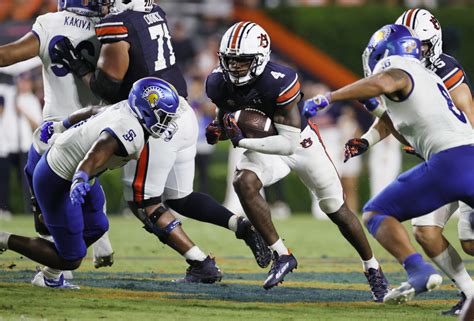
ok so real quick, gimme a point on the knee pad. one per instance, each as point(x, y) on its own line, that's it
point(374, 222)
point(330, 205)
point(151, 226)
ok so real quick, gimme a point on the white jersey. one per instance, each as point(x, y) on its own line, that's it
point(70, 148)
point(427, 118)
point(63, 92)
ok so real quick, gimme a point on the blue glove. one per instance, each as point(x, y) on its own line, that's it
point(79, 188)
point(370, 104)
point(46, 131)
point(49, 128)
point(313, 105)
point(232, 129)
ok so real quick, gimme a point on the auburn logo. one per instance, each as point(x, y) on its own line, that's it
point(307, 142)
point(263, 40)
point(435, 23)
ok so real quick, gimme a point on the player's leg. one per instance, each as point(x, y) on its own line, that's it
point(428, 233)
point(144, 182)
point(417, 191)
point(253, 172)
point(317, 172)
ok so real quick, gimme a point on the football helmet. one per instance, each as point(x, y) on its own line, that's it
point(390, 40)
point(244, 52)
point(89, 8)
point(155, 103)
point(135, 5)
point(427, 28)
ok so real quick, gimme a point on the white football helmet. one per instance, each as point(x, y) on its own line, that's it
point(134, 5)
point(427, 28)
point(244, 45)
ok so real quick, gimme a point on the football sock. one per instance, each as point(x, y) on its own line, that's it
point(50, 273)
point(201, 207)
point(413, 263)
point(102, 246)
point(280, 248)
point(195, 254)
point(232, 224)
point(4, 236)
point(451, 264)
point(370, 264)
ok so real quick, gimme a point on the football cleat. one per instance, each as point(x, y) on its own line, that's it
point(103, 261)
point(378, 283)
point(60, 283)
point(282, 265)
point(456, 309)
point(416, 285)
point(247, 232)
point(201, 272)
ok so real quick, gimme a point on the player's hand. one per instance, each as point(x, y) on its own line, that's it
point(72, 58)
point(213, 132)
point(315, 104)
point(49, 128)
point(410, 150)
point(79, 188)
point(355, 147)
point(232, 129)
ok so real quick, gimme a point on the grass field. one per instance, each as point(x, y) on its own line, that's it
point(328, 284)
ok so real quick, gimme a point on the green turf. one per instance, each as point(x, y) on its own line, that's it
point(328, 284)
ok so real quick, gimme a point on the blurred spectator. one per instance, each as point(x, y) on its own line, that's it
point(7, 111)
point(205, 113)
point(183, 46)
point(207, 59)
point(25, 118)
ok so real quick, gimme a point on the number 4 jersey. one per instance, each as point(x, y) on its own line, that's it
point(427, 117)
point(151, 52)
point(63, 92)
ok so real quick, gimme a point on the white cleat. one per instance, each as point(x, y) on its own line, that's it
point(406, 292)
point(60, 283)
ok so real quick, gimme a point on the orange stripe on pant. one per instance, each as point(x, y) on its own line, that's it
point(138, 184)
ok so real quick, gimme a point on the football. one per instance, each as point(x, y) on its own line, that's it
point(254, 123)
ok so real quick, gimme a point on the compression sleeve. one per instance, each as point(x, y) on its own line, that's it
point(285, 143)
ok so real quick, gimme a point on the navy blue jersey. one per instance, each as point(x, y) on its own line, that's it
point(450, 71)
point(277, 87)
point(151, 52)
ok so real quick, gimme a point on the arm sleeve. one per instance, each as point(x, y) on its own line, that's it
point(285, 143)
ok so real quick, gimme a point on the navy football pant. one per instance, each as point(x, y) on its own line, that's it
point(446, 177)
point(73, 228)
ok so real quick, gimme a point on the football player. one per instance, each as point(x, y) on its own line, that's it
point(136, 43)
point(421, 110)
point(67, 191)
point(247, 78)
point(428, 228)
point(75, 21)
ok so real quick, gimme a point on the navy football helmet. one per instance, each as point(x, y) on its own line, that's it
point(89, 8)
point(390, 40)
point(155, 103)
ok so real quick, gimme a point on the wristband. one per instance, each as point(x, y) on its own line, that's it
point(372, 136)
point(66, 123)
point(80, 175)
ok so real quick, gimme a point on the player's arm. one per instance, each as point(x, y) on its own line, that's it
point(97, 156)
point(112, 66)
point(49, 128)
point(23, 49)
point(287, 121)
point(462, 98)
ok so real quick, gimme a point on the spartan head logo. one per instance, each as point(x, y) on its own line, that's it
point(152, 96)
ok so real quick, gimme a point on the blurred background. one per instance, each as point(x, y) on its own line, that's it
point(322, 39)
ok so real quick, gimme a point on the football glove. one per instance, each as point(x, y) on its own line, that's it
point(79, 188)
point(213, 132)
point(49, 128)
point(355, 147)
point(232, 129)
point(71, 58)
point(315, 104)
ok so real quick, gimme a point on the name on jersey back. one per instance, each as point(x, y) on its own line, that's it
point(77, 22)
